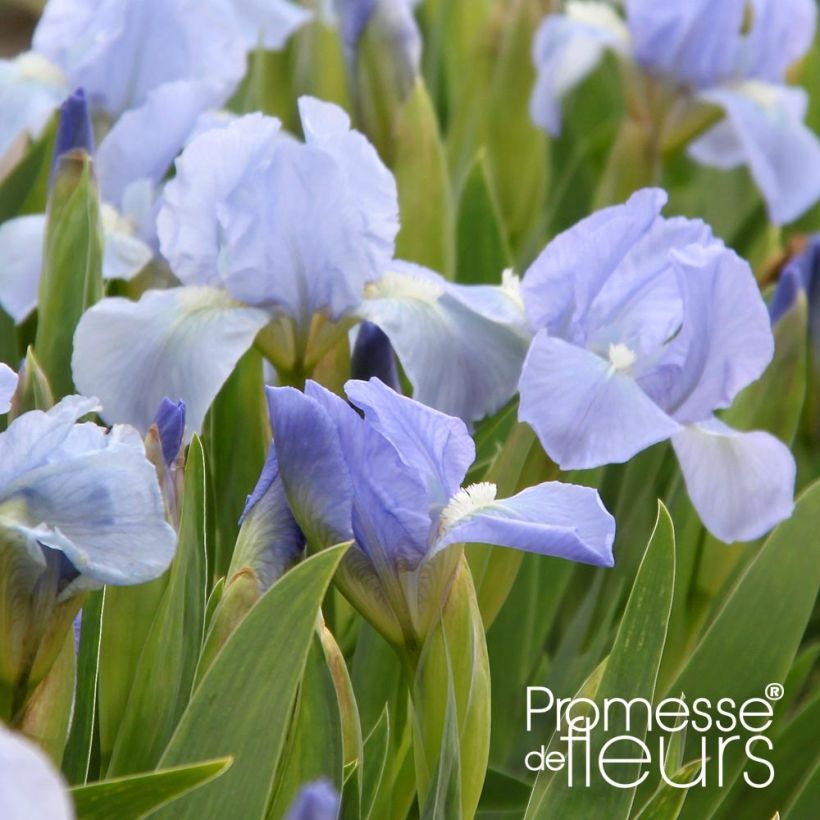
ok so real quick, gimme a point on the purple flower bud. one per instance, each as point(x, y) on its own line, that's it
point(170, 421)
point(373, 356)
point(74, 130)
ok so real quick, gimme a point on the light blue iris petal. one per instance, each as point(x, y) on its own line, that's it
point(555, 519)
point(458, 360)
point(295, 240)
point(433, 444)
point(182, 342)
point(391, 502)
point(725, 342)
point(193, 209)
point(765, 129)
point(327, 126)
point(8, 385)
point(312, 466)
point(30, 785)
point(562, 283)
point(88, 492)
point(565, 51)
point(741, 484)
point(21, 252)
point(30, 89)
point(144, 141)
point(695, 42)
point(584, 411)
point(269, 22)
point(120, 50)
point(782, 32)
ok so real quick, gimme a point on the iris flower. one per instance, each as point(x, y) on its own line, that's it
point(315, 801)
point(125, 53)
point(733, 54)
point(82, 496)
point(644, 328)
point(390, 480)
point(289, 244)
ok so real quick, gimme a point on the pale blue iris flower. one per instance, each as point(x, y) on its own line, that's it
point(31, 788)
point(265, 232)
point(730, 53)
point(84, 496)
point(123, 52)
point(390, 480)
point(644, 327)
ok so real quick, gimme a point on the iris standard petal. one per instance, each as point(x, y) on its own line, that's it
point(585, 411)
point(120, 50)
point(765, 128)
point(781, 32)
point(8, 385)
point(312, 466)
point(438, 447)
point(30, 787)
point(30, 89)
point(182, 342)
point(143, 142)
point(555, 519)
point(391, 501)
point(741, 484)
point(327, 126)
point(561, 284)
point(725, 342)
point(695, 42)
point(21, 251)
point(567, 47)
point(210, 168)
point(458, 360)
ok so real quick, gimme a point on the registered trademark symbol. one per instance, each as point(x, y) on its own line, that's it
point(774, 691)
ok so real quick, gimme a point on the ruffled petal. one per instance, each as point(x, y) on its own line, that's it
point(568, 47)
point(433, 444)
point(458, 360)
point(21, 252)
point(725, 342)
point(555, 519)
point(585, 412)
point(559, 287)
point(765, 128)
point(88, 492)
point(182, 342)
point(30, 786)
point(741, 484)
